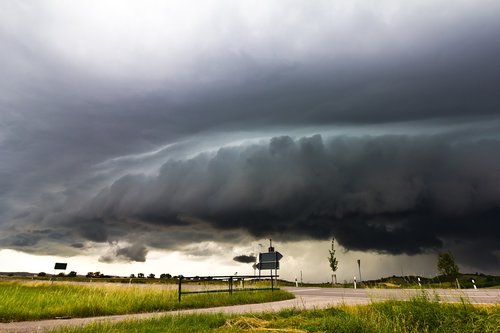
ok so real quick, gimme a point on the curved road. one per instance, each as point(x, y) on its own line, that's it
point(306, 298)
point(335, 296)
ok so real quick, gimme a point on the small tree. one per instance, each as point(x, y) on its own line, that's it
point(332, 259)
point(446, 264)
point(72, 274)
point(151, 276)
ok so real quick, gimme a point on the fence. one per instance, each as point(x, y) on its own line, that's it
point(231, 279)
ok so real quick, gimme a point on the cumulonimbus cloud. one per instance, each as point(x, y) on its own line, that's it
point(359, 65)
point(390, 194)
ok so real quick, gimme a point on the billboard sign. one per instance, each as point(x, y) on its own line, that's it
point(60, 265)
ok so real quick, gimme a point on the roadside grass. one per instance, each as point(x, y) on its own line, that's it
point(21, 301)
point(418, 315)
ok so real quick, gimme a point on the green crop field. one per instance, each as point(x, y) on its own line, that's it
point(419, 315)
point(25, 300)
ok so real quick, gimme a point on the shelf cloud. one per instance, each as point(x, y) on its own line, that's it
point(161, 125)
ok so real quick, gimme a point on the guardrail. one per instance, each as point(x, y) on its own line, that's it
point(230, 280)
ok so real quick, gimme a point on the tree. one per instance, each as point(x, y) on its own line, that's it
point(140, 275)
point(42, 274)
point(151, 276)
point(332, 259)
point(72, 274)
point(446, 264)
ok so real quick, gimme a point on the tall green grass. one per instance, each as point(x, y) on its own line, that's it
point(20, 301)
point(419, 315)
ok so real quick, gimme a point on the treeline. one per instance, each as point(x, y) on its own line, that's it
point(104, 276)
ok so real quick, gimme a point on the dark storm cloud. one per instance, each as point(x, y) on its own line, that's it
point(125, 254)
point(390, 194)
point(245, 259)
point(22, 240)
point(133, 253)
point(93, 101)
point(92, 230)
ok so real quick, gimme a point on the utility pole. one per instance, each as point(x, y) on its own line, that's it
point(359, 268)
point(271, 249)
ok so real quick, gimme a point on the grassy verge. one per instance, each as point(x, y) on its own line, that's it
point(415, 316)
point(22, 301)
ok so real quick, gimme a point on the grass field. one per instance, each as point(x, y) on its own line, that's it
point(25, 300)
point(465, 281)
point(416, 316)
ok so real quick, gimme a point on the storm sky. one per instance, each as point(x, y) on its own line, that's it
point(203, 128)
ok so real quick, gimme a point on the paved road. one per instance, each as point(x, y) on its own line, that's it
point(357, 296)
point(306, 298)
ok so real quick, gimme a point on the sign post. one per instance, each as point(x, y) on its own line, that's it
point(270, 260)
point(359, 268)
